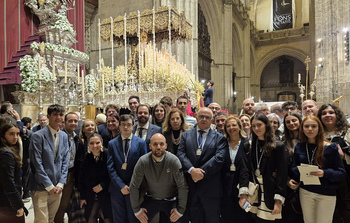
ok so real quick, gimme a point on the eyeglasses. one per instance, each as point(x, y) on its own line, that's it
point(215, 108)
point(204, 117)
point(126, 125)
point(289, 108)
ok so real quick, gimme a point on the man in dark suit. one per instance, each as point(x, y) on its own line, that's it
point(208, 93)
point(144, 129)
point(42, 120)
point(202, 153)
point(123, 154)
point(49, 160)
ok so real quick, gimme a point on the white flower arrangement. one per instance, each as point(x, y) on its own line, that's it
point(62, 22)
point(59, 48)
point(28, 67)
point(90, 83)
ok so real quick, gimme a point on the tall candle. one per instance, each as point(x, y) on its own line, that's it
point(125, 51)
point(315, 72)
point(299, 78)
point(112, 49)
point(53, 69)
point(39, 67)
point(154, 45)
point(78, 70)
point(99, 43)
point(82, 84)
point(103, 86)
point(65, 72)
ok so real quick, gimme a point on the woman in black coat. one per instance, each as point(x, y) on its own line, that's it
point(94, 182)
point(265, 163)
point(11, 205)
point(231, 212)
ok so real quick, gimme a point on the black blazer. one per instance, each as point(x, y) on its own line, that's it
point(152, 129)
point(274, 170)
point(94, 173)
point(10, 181)
point(230, 179)
point(211, 161)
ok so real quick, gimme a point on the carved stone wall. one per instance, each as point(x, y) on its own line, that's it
point(204, 51)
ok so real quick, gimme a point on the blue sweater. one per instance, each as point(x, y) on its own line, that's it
point(333, 168)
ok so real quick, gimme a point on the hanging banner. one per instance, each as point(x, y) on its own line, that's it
point(282, 14)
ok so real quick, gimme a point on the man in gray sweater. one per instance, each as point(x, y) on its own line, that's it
point(158, 177)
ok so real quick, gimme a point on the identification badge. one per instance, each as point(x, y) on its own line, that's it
point(257, 172)
point(232, 167)
point(124, 166)
point(199, 152)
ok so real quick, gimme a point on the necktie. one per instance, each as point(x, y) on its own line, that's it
point(126, 145)
point(200, 138)
point(140, 132)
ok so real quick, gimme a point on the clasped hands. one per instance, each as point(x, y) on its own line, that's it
point(197, 174)
point(143, 218)
point(55, 191)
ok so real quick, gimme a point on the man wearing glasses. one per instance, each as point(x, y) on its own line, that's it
point(202, 152)
point(123, 154)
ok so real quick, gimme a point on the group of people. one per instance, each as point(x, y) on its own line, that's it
point(163, 165)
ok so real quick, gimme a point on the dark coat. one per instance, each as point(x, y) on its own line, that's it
point(10, 181)
point(274, 170)
point(152, 129)
point(94, 173)
point(208, 96)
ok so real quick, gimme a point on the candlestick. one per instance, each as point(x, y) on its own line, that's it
point(53, 69)
point(65, 72)
point(112, 42)
point(82, 84)
point(126, 51)
point(103, 85)
point(78, 70)
point(169, 27)
point(154, 46)
point(99, 43)
point(139, 39)
point(39, 67)
point(315, 72)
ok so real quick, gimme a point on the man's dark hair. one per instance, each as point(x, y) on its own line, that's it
point(26, 120)
point(289, 103)
point(70, 113)
point(136, 97)
point(211, 82)
point(221, 113)
point(112, 106)
point(126, 117)
point(143, 105)
point(4, 107)
point(55, 108)
point(181, 97)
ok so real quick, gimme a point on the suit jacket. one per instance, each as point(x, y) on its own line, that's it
point(274, 171)
point(211, 161)
point(208, 96)
point(230, 179)
point(152, 129)
point(169, 141)
point(116, 158)
point(46, 168)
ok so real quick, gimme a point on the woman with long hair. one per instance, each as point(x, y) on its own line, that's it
point(112, 128)
point(317, 201)
point(266, 164)
point(158, 115)
point(245, 120)
point(87, 128)
point(292, 212)
point(94, 182)
point(231, 212)
point(173, 127)
point(11, 205)
point(336, 129)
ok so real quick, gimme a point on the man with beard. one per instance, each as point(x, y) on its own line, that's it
point(248, 107)
point(144, 129)
point(182, 104)
point(159, 176)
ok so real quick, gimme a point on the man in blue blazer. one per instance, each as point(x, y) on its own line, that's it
point(208, 94)
point(144, 129)
point(49, 159)
point(123, 154)
point(202, 153)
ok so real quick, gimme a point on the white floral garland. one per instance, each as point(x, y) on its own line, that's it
point(59, 48)
point(62, 22)
point(90, 83)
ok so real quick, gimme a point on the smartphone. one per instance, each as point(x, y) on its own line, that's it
point(247, 206)
point(10, 111)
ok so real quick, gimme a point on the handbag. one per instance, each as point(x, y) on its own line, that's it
point(9, 215)
point(253, 191)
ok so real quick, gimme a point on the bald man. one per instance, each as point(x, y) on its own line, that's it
point(248, 107)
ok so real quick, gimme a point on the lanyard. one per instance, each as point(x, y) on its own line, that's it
point(308, 156)
point(258, 160)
